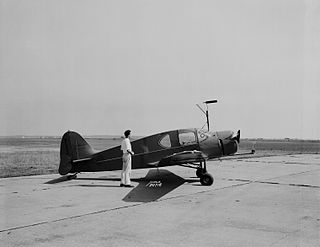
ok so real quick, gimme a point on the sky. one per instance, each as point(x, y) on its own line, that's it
point(100, 67)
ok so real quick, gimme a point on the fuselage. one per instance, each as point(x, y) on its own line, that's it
point(152, 150)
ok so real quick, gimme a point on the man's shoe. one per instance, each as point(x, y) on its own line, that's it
point(128, 185)
point(122, 185)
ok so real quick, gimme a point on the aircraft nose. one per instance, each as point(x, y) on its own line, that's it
point(227, 134)
point(229, 142)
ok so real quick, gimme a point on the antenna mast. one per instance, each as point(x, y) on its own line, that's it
point(207, 110)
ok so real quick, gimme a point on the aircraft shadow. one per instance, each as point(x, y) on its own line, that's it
point(93, 185)
point(155, 185)
point(67, 178)
point(58, 180)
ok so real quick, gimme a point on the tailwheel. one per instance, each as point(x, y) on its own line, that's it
point(206, 179)
point(73, 176)
point(200, 172)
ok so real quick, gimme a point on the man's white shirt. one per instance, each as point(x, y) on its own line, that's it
point(126, 145)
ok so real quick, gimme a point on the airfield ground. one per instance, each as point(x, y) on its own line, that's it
point(261, 201)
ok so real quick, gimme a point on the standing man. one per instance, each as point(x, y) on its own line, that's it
point(126, 160)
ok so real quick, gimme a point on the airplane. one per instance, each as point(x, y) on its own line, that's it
point(191, 148)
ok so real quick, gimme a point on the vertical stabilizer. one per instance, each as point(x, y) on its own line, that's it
point(72, 147)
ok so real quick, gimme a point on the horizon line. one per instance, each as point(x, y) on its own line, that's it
point(136, 137)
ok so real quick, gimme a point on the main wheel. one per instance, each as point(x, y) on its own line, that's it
point(206, 179)
point(200, 172)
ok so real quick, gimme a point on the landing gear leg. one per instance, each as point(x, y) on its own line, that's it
point(205, 177)
point(201, 170)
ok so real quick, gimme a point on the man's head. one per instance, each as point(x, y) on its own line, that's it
point(127, 133)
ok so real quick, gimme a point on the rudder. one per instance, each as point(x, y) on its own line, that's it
point(72, 147)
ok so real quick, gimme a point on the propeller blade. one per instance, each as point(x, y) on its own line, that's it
point(237, 137)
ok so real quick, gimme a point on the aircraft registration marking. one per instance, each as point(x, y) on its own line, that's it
point(154, 184)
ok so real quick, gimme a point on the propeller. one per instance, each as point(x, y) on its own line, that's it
point(237, 137)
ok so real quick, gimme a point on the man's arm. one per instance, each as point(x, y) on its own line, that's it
point(130, 152)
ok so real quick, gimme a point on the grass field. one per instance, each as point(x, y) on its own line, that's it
point(34, 156)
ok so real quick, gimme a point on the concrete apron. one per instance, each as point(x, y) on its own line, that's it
point(253, 202)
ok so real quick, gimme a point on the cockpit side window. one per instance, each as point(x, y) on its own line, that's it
point(187, 138)
point(165, 141)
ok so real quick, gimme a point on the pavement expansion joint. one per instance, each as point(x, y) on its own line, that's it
point(284, 237)
point(274, 183)
point(117, 208)
point(70, 217)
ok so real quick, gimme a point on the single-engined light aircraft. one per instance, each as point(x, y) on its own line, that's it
point(190, 147)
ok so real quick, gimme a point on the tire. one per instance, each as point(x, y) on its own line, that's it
point(206, 179)
point(200, 172)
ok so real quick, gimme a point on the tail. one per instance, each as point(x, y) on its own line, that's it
point(72, 147)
